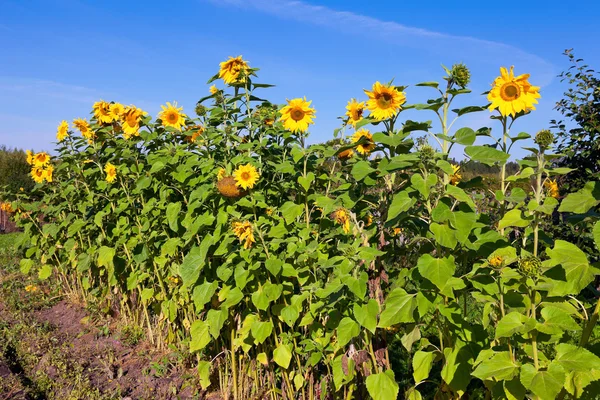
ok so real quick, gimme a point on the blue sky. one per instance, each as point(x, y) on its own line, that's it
point(58, 57)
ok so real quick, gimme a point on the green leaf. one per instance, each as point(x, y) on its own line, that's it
point(173, 210)
point(513, 218)
point(422, 362)
point(556, 321)
point(200, 336)
point(457, 368)
point(596, 234)
point(514, 389)
point(429, 83)
point(216, 319)
point(469, 109)
point(437, 270)
point(486, 155)
point(399, 307)
point(290, 315)
point(361, 169)
point(547, 384)
point(465, 136)
point(574, 358)
point(306, 181)
point(402, 202)
point(45, 272)
point(261, 330)
point(499, 366)
point(282, 355)
point(513, 323)
point(382, 386)
point(25, 265)
point(106, 256)
point(583, 200)
point(423, 185)
point(346, 331)
point(204, 373)
point(572, 271)
point(194, 262)
point(444, 235)
point(366, 315)
point(203, 294)
point(291, 211)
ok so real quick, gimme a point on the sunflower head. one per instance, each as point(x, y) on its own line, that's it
point(234, 70)
point(246, 176)
point(213, 89)
point(200, 110)
point(455, 177)
point(512, 94)
point(102, 112)
point(354, 111)
point(346, 154)
point(172, 116)
point(116, 110)
point(297, 115)
point(544, 139)
point(83, 127)
point(63, 131)
point(38, 174)
point(342, 217)
point(244, 232)
point(29, 157)
point(530, 266)
point(227, 187)
point(111, 172)
point(552, 188)
point(41, 159)
point(496, 261)
point(385, 101)
point(131, 118)
point(367, 147)
point(460, 74)
point(48, 173)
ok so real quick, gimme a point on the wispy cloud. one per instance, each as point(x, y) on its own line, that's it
point(397, 34)
point(39, 88)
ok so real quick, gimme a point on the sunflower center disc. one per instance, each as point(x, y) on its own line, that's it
point(245, 176)
point(297, 114)
point(384, 100)
point(511, 91)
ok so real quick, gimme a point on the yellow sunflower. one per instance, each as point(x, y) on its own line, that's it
point(131, 118)
point(496, 261)
point(367, 147)
point(221, 174)
point(455, 177)
point(62, 131)
point(48, 172)
point(244, 232)
point(41, 159)
point(342, 217)
point(246, 176)
point(172, 116)
point(111, 172)
point(384, 101)
point(38, 174)
point(355, 111)
point(213, 89)
point(30, 156)
point(116, 110)
point(83, 127)
point(346, 154)
point(194, 136)
point(552, 188)
point(297, 115)
point(233, 70)
point(511, 95)
point(102, 112)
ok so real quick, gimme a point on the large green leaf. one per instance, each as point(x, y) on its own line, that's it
point(583, 200)
point(556, 321)
point(382, 386)
point(486, 155)
point(572, 272)
point(422, 362)
point(437, 270)
point(547, 384)
point(402, 202)
point(514, 218)
point(282, 355)
point(513, 323)
point(499, 366)
point(366, 315)
point(261, 330)
point(173, 210)
point(399, 307)
point(200, 336)
point(574, 358)
point(194, 261)
point(346, 331)
point(443, 235)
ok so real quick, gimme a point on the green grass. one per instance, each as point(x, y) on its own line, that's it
point(8, 240)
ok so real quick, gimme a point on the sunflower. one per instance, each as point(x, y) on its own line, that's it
point(227, 187)
point(29, 155)
point(297, 115)
point(213, 89)
point(512, 95)
point(346, 154)
point(246, 176)
point(367, 147)
point(244, 232)
point(355, 111)
point(233, 70)
point(384, 101)
point(397, 231)
point(369, 220)
point(84, 128)
point(38, 174)
point(102, 112)
point(41, 159)
point(172, 116)
point(131, 118)
point(111, 172)
point(194, 136)
point(221, 174)
point(496, 261)
point(455, 177)
point(48, 173)
point(62, 131)
point(342, 217)
point(116, 110)
point(552, 188)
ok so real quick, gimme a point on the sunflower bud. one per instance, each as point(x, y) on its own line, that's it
point(544, 139)
point(228, 129)
point(426, 153)
point(496, 261)
point(530, 266)
point(200, 110)
point(460, 74)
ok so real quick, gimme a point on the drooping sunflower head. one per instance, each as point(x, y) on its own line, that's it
point(244, 232)
point(367, 147)
point(63, 131)
point(131, 118)
point(198, 131)
point(460, 74)
point(111, 172)
point(172, 116)
point(41, 159)
point(342, 217)
point(297, 115)
point(384, 101)
point(83, 127)
point(234, 70)
point(455, 177)
point(346, 154)
point(552, 188)
point(246, 176)
point(102, 112)
point(354, 111)
point(512, 94)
